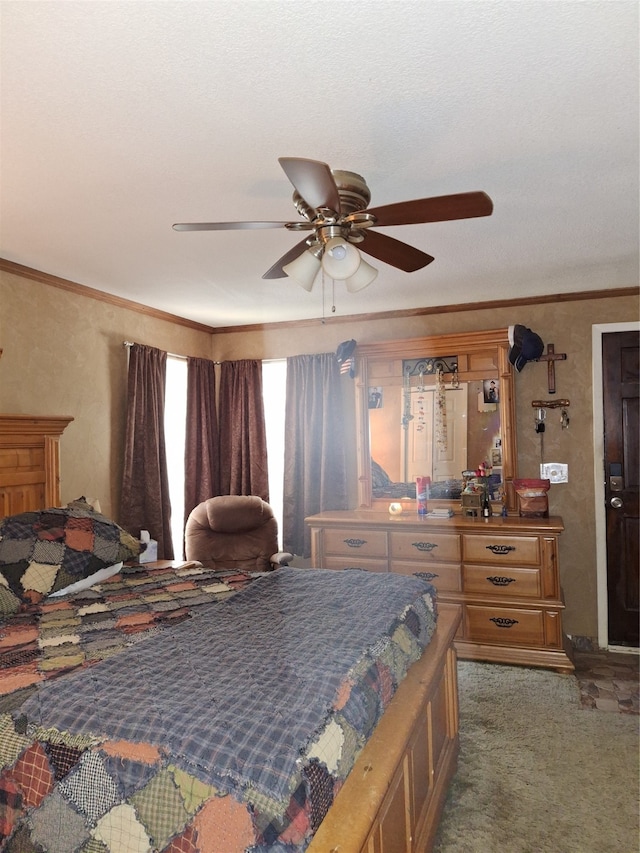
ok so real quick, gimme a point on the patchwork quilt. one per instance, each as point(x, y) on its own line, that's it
point(45, 551)
point(198, 711)
point(57, 635)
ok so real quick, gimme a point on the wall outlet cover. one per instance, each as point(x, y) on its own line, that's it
point(555, 472)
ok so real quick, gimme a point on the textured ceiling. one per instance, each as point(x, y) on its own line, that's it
point(121, 118)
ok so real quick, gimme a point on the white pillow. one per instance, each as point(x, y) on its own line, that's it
point(85, 583)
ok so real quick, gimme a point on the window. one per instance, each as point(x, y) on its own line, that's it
point(274, 389)
point(175, 417)
point(274, 379)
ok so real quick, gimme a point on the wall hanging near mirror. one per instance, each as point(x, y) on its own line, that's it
point(441, 413)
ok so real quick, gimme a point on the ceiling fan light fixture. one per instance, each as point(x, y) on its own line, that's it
point(340, 259)
point(304, 268)
point(333, 205)
point(362, 277)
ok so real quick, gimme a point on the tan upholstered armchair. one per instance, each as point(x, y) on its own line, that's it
point(234, 532)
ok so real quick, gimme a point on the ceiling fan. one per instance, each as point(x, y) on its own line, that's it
point(333, 205)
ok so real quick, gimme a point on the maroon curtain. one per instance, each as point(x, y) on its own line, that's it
point(201, 456)
point(243, 440)
point(145, 503)
point(315, 477)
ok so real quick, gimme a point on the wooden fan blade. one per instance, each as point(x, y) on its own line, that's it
point(228, 226)
point(437, 209)
point(313, 181)
point(276, 270)
point(393, 252)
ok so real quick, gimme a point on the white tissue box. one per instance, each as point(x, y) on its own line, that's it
point(150, 553)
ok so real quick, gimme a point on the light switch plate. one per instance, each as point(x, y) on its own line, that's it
point(555, 472)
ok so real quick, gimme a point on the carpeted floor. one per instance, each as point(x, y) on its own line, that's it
point(538, 772)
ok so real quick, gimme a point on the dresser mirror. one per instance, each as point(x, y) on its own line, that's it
point(435, 407)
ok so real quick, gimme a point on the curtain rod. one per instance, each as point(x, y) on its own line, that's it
point(129, 344)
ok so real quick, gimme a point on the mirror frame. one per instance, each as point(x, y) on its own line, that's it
point(472, 349)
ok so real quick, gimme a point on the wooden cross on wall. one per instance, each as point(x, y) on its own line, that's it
point(551, 356)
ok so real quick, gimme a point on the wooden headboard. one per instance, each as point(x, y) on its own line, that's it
point(30, 462)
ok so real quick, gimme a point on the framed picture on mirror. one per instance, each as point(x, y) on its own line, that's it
point(491, 389)
point(375, 397)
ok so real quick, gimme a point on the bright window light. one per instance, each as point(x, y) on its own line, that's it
point(175, 418)
point(274, 389)
point(274, 379)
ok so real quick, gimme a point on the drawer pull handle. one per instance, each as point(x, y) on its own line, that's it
point(424, 546)
point(502, 622)
point(355, 543)
point(500, 549)
point(428, 576)
point(501, 581)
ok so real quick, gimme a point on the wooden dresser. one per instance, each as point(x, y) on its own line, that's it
point(503, 571)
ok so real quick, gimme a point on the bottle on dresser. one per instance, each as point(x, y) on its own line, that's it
point(485, 506)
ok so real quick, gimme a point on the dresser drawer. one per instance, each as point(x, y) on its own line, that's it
point(365, 543)
point(355, 562)
point(501, 550)
point(505, 626)
point(490, 581)
point(422, 545)
point(444, 576)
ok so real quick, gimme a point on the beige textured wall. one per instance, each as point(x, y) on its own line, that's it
point(63, 355)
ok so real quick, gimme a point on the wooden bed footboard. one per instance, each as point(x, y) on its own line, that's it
point(392, 800)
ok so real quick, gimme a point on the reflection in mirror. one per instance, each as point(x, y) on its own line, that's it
point(436, 418)
point(423, 443)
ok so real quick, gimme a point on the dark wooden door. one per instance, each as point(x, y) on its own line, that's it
point(621, 374)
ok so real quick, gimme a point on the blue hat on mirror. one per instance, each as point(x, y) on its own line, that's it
point(525, 346)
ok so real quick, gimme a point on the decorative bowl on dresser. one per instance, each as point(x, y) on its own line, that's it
point(504, 573)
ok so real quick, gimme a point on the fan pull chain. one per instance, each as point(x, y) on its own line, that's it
point(324, 298)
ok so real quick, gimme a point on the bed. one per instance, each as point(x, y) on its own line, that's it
point(138, 714)
point(383, 487)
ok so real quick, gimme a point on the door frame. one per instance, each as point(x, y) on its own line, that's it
point(597, 332)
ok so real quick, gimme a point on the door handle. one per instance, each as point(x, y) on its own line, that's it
point(616, 503)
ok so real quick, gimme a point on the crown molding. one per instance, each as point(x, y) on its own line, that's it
point(92, 293)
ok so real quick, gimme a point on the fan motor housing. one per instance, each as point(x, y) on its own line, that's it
point(352, 189)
